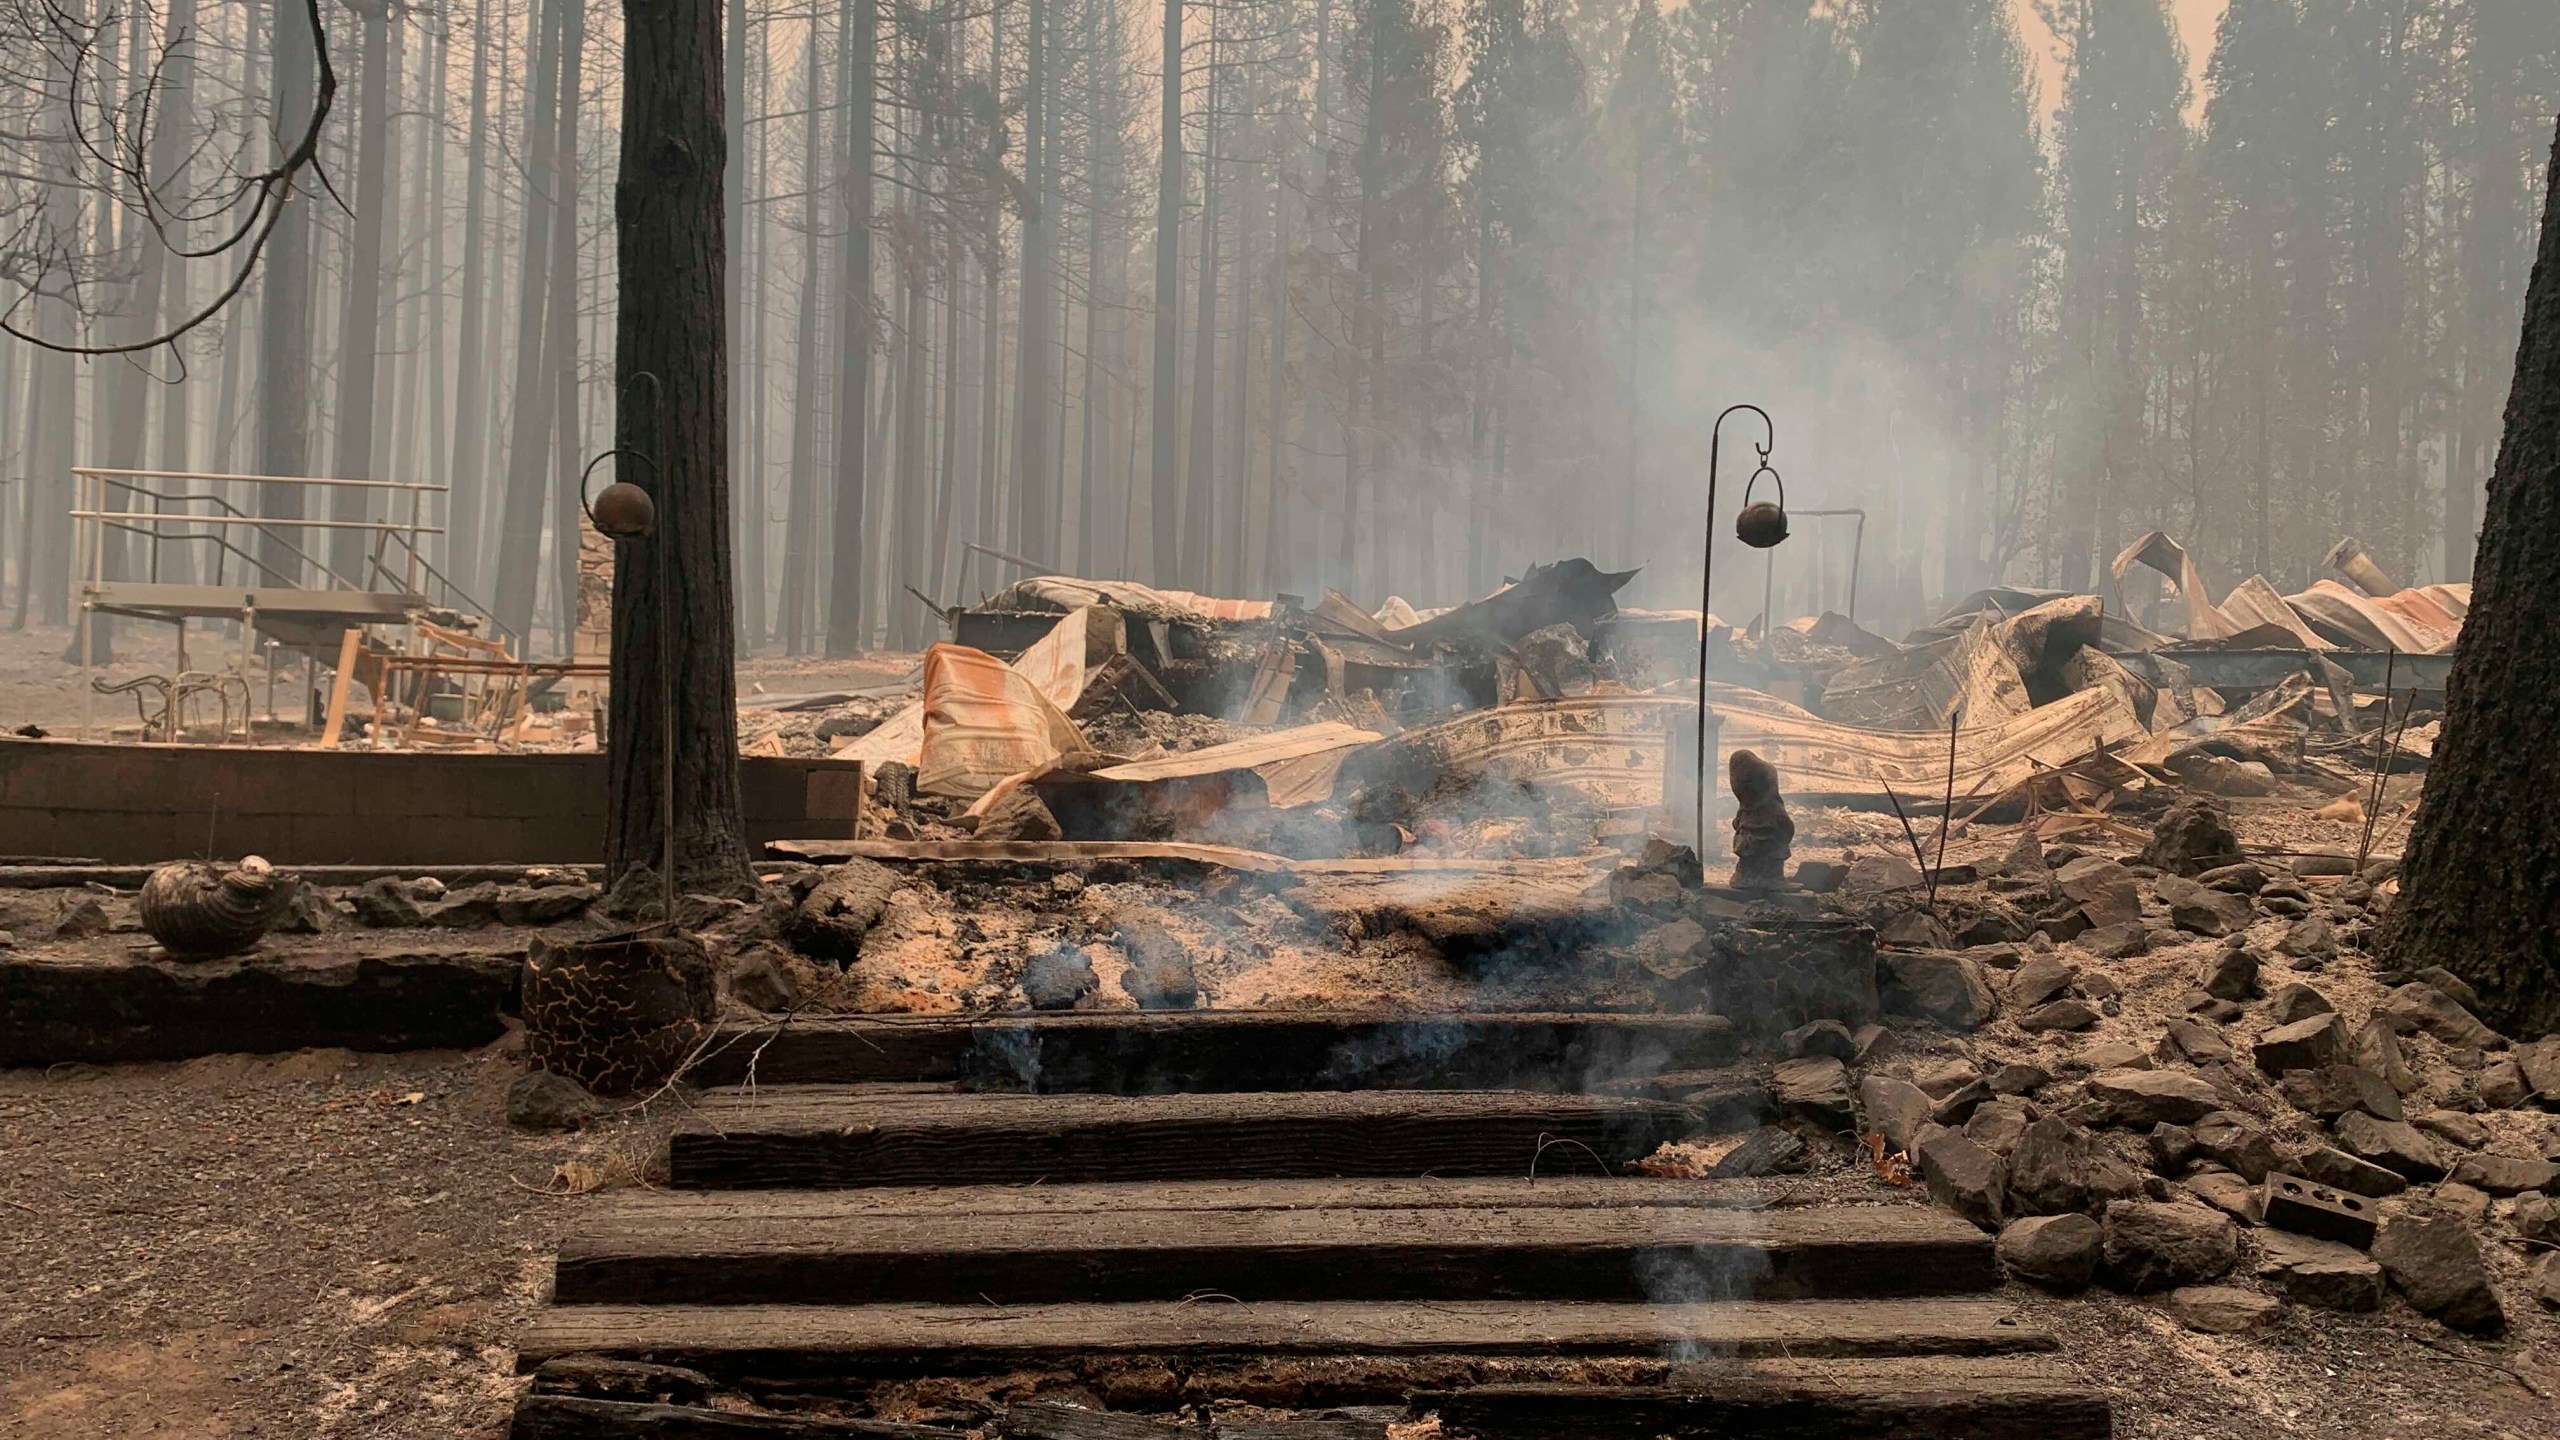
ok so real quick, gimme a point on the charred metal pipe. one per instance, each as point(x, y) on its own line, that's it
point(2347, 557)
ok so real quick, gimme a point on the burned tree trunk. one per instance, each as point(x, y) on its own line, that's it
point(670, 253)
point(2482, 879)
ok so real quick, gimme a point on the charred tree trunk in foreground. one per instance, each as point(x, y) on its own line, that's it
point(2482, 879)
point(669, 324)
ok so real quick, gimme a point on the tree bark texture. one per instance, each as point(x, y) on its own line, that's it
point(848, 628)
point(2481, 883)
point(1165, 497)
point(669, 324)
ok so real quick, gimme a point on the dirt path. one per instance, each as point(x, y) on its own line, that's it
point(314, 1245)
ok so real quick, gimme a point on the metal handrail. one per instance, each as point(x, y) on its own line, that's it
point(124, 519)
point(257, 479)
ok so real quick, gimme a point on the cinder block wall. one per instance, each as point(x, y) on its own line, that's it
point(140, 804)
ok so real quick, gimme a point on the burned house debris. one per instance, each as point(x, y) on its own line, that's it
point(2034, 946)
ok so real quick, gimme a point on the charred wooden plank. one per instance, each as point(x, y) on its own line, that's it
point(730, 1248)
point(1032, 1201)
point(134, 1009)
point(1048, 1420)
point(1925, 1398)
point(812, 1135)
point(568, 1417)
point(784, 1343)
point(1155, 1053)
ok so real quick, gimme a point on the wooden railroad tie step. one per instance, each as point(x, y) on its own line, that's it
point(820, 1136)
point(2007, 1397)
point(727, 1248)
point(816, 1345)
point(1159, 1052)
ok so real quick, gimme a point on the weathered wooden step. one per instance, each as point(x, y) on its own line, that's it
point(1931, 1397)
point(1160, 1052)
point(822, 1136)
point(728, 1248)
point(570, 1417)
point(1374, 1348)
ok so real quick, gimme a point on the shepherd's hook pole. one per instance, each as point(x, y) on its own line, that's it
point(1706, 588)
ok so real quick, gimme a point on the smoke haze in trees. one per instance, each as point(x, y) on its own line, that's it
point(1445, 287)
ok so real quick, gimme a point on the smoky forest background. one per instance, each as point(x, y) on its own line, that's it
point(1424, 291)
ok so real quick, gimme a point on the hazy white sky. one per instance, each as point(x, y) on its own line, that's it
point(2196, 19)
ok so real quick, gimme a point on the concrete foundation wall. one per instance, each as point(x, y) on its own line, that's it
point(140, 804)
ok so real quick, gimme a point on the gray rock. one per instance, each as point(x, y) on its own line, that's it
point(2043, 978)
point(1768, 1151)
point(2428, 1011)
point(2311, 938)
point(2200, 910)
point(1821, 877)
point(2502, 1086)
point(1894, 1108)
point(2227, 1193)
point(2394, 1145)
point(2222, 1309)
point(1957, 1106)
point(2506, 1174)
point(2230, 975)
point(2116, 942)
point(1936, 985)
point(2242, 878)
point(2104, 890)
point(1878, 874)
point(1966, 1178)
point(1822, 1037)
point(2537, 1218)
point(2303, 1045)
point(2113, 1055)
point(387, 902)
point(2058, 1252)
point(1871, 1042)
point(2470, 1203)
point(542, 904)
point(2019, 1078)
point(2149, 1245)
point(2195, 1043)
point(2452, 1127)
point(2377, 1048)
point(540, 1100)
point(2056, 1167)
point(2544, 1279)
point(2294, 1001)
point(2320, 1273)
point(1814, 1089)
point(2435, 1261)
point(2333, 1090)
point(1056, 979)
point(2192, 837)
point(2339, 1170)
point(1941, 1078)
point(1998, 1126)
point(2232, 1141)
point(2172, 1147)
point(2144, 1098)
point(2540, 1062)
point(2060, 1015)
point(2453, 986)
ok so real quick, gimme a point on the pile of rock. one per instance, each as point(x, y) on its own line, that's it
point(2259, 1134)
